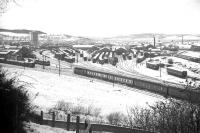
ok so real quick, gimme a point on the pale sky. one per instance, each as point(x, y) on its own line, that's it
point(104, 18)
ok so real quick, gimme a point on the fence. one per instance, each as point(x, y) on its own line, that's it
point(77, 125)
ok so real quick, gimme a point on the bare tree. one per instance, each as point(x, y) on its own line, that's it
point(169, 116)
point(4, 5)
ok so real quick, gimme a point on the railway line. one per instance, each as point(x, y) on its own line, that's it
point(123, 68)
point(127, 68)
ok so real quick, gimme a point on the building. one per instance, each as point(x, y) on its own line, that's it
point(34, 38)
point(5, 54)
point(195, 47)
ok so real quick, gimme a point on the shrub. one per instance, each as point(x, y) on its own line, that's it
point(169, 116)
point(116, 118)
point(14, 103)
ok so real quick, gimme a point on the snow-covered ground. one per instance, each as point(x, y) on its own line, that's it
point(36, 128)
point(52, 88)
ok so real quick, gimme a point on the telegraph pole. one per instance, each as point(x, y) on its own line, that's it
point(182, 39)
point(154, 41)
point(24, 64)
point(160, 68)
point(43, 61)
point(77, 57)
point(59, 65)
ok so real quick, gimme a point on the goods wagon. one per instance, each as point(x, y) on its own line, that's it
point(41, 62)
point(124, 57)
point(85, 58)
point(18, 63)
point(59, 56)
point(95, 58)
point(140, 59)
point(177, 72)
point(101, 60)
point(129, 57)
point(152, 65)
point(69, 59)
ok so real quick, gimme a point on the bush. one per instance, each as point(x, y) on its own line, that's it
point(14, 103)
point(116, 118)
point(79, 109)
point(170, 116)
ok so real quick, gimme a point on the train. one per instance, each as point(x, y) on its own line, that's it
point(96, 57)
point(18, 63)
point(140, 59)
point(41, 62)
point(162, 88)
point(152, 65)
point(177, 72)
point(69, 59)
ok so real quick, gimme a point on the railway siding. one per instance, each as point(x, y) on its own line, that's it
point(160, 88)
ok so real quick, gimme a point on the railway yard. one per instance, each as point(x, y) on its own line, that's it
point(163, 72)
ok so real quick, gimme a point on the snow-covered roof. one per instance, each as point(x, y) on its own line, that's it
point(192, 54)
point(4, 52)
point(81, 46)
point(196, 44)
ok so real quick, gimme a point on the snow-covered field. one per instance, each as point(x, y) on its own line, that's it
point(80, 90)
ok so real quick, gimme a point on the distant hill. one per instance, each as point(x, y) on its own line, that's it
point(158, 36)
point(22, 31)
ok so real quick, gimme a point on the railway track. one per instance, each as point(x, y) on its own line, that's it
point(125, 68)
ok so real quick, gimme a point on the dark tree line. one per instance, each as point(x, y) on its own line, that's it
point(15, 107)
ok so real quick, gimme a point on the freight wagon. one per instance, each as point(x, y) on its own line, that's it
point(152, 65)
point(140, 59)
point(177, 72)
point(18, 63)
point(101, 60)
point(40, 62)
point(95, 58)
point(69, 59)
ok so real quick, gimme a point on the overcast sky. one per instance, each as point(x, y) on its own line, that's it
point(104, 18)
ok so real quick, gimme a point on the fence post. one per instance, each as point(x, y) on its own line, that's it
point(77, 124)
point(41, 117)
point(53, 119)
point(86, 125)
point(68, 122)
point(90, 131)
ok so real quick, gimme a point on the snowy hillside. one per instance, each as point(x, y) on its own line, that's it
point(52, 88)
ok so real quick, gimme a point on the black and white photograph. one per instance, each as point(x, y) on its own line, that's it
point(100, 66)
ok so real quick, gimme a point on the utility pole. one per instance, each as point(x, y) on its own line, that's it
point(160, 68)
point(154, 41)
point(59, 65)
point(24, 64)
point(77, 57)
point(182, 39)
point(43, 61)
